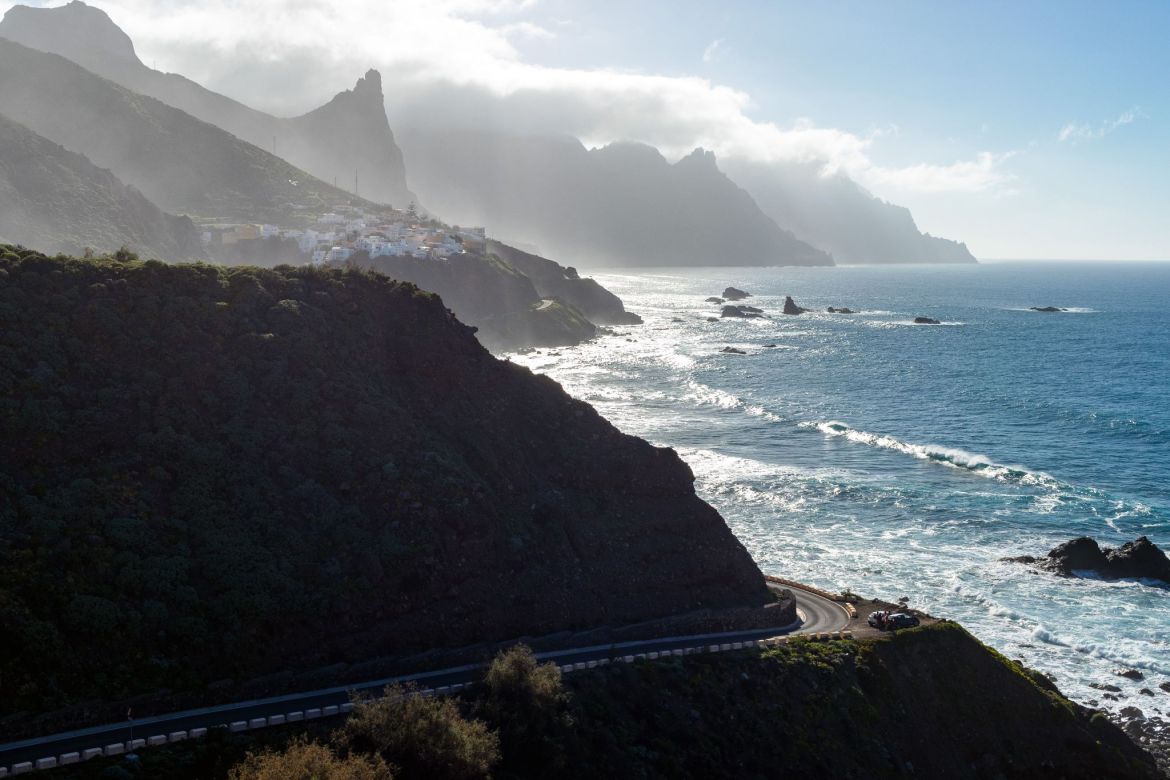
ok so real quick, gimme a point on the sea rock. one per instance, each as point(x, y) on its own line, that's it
point(750, 309)
point(841, 310)
point(1139, 559)
point(1048, 308)
point(712, 319)
point(1146, 692)
point(1132, 713)
point(1165, 686)
point(735, 294)
point(926, 321)
point(790, 306)
point(769, 346)
point(713, 299)
point(1105, 687)
point(737, 311)
point(1080, 553)
point(1129, 674)
point(732, 351)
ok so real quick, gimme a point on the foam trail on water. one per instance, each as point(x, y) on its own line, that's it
point(948, 456)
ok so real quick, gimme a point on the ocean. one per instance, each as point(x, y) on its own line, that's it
point(867, 453)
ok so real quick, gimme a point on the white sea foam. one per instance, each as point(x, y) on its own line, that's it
point(947, 456)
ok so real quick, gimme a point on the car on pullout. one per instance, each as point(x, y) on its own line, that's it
point(884, 619)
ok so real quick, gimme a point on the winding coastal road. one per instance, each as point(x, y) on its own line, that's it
point(816, 615)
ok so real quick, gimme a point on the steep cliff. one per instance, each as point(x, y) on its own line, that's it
point(621, 205)
point(55, 200)
point(838, 215)
point(217, 473)
point(349, 134)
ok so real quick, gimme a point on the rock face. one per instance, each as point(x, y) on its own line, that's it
point(55, 200)
point(348, 134)
point(926, 321)
point(555, 281)
point(734, 294)
point(790, 306)
point(1139, 559)
point(228, 472)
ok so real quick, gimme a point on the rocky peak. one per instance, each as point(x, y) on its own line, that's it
point(701, 160)
point(370, 85)
point(76, 30)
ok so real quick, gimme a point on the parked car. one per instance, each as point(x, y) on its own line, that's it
point(900, 620)
point(878, 619)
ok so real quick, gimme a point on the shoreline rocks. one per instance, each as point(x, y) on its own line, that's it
point(1139, 559)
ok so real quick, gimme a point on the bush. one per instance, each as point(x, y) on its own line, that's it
point(423, 737)
point(309, 761)
point(527, 702)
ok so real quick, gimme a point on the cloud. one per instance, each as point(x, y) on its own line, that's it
point(1074, 132)
point(711, 53)
point(454, 62)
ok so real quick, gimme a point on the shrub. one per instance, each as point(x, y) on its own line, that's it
point(309, 761)
point(423, 737)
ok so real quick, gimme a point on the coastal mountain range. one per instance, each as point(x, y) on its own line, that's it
point(349, 135)
point(620, 205)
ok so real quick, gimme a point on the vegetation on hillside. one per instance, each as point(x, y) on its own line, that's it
point(58, 201)
point(929, 702)
point(217, 473)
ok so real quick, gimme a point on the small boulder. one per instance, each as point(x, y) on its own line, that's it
point(713, 299)
point(1129, 674)
point(735, 294)
point(1165, 686)
point(1132, 713)
point(1048, 308)
point(769, 346)
point(732, 351)
point(841, 310)
point(790, 306)
point(1146, 692)
point(712, 319)
point(926, 321)
point(1105, 687)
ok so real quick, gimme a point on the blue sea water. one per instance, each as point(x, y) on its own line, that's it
point(866, 452)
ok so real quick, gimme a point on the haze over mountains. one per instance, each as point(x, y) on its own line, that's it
point(347, 136)
point(59, 201)
point(622, 205)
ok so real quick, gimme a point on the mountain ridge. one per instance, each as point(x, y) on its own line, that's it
point(345, 135)
point(620, 205)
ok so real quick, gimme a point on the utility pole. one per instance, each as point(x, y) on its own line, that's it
point(355, 181)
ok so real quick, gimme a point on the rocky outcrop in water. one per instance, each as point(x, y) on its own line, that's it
point(840, 310)
point(735, 294)
point(926, 321)
point(744, 312)
point(1139, 559)
point(790, 306)
point(1048, 308)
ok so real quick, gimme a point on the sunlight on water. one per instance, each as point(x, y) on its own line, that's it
point(865, 452)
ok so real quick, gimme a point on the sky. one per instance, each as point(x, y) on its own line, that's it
point(1027, 129)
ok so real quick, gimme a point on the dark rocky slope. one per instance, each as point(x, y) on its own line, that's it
point(214, 473)
point(58, 201)
point(493, 296)
point(621, 205)
point(348, 134)
point(553, 280)
point(183, 165)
